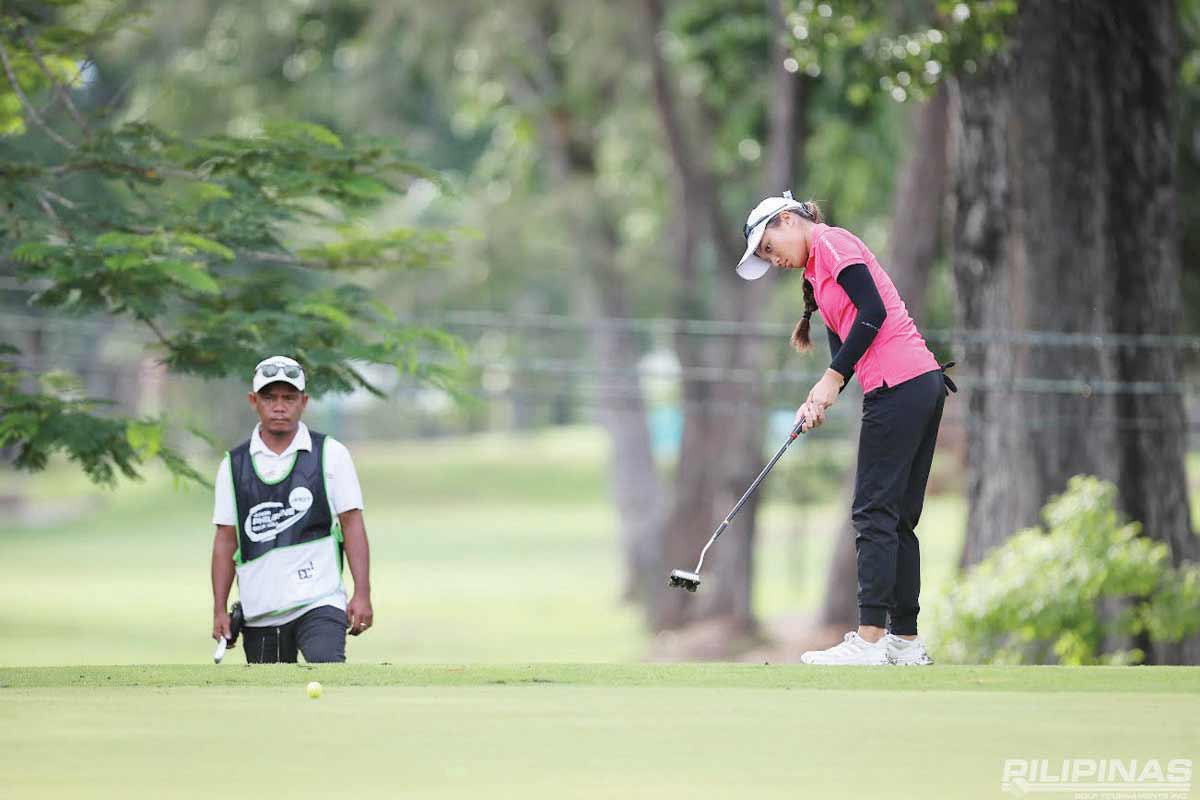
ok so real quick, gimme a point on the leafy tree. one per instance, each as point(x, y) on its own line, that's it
point(902, 50)
point(224, 247)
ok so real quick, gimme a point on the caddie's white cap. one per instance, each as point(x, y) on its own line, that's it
point(278, 368)
point(751, 267)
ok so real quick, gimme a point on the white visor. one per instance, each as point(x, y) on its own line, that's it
point(751, 267)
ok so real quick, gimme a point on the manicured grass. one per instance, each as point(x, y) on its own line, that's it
point(578, 731)
point(493, 683)
point(473, 543)
point(477, 547)
point(1133, 680)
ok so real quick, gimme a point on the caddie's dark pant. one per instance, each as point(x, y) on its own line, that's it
point(319, 634)
point(895, 450)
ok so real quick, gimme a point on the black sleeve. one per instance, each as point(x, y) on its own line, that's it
point(835, 344)
point(860, 286)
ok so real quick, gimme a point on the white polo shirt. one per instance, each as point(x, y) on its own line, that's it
point(341, 482)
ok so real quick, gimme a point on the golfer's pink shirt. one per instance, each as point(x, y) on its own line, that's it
point(898, 352)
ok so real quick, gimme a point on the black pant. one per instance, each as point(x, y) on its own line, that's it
point(319, 634)
point(895, 450)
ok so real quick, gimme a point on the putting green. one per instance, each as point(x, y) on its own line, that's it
point(546, 730)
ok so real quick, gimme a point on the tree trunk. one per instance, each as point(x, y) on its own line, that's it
point(721, 449)
point(919, 205)
point(690, 518)
point(1152, 436)
point(914, 242)
point(1066, 223)
point(733, 567)
point(982, 195)
point(633, 477)
point(1137, 125)
point(696, 473)
point(636, 489)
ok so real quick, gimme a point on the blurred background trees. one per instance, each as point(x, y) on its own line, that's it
point(194, 238)
point(1022, 169)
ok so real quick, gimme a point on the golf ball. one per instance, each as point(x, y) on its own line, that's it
point(314, 689)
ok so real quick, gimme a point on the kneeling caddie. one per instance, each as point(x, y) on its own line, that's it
point(288, 507)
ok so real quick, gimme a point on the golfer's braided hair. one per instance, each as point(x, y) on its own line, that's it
point(800, 338)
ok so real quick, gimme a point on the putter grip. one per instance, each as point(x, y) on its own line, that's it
point(799, 429)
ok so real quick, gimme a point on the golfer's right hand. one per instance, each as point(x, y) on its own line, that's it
point(221, 626)
point(812, 414)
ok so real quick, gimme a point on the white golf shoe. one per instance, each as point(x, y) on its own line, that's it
point(853, 651)
point(907, 652)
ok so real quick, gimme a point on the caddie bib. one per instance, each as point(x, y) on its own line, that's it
point(289, 541)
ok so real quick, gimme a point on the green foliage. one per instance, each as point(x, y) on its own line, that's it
point(873, 50)
point(723, 48)
point(1059, 594)
point(722, 53)
point(56, 420)
point(38, 61)
point(225, 247)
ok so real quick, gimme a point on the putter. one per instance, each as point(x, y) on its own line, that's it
point(236, 618)
point(691, 580)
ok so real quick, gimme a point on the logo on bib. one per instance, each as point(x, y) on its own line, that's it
point(300, 499)
point(267, 520)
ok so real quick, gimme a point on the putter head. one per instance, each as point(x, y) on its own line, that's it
point(687, 580)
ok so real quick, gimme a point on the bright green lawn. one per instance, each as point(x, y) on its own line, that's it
point(477, 548)
point(577, 731)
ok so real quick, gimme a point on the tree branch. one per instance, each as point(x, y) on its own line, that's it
point(782, 111)
point(26, 104)
point(287, 259)
point(53, 215)
point(779, 166)
point(273, 258)
point(58, 198)
point(158, 334)
point(58, 87)
point(668, 106)
point(53, 100)
point(151, 173)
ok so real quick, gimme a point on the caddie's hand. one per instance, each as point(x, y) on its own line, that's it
point(359, 615)
point(221, 626)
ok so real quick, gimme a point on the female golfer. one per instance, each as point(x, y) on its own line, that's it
point(904, 389)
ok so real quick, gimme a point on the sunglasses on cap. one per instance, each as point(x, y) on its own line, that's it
point(800, 209)
point(746, 230)
point(271, 370)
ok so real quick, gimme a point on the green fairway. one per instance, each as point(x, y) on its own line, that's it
point(1130, 680)
point(477, 546)
point(592, 731)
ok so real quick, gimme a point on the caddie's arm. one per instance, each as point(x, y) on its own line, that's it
point(359, 614)
point(224, 546)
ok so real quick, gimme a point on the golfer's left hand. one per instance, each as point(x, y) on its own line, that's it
point(823, 395)
point(359, 614)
